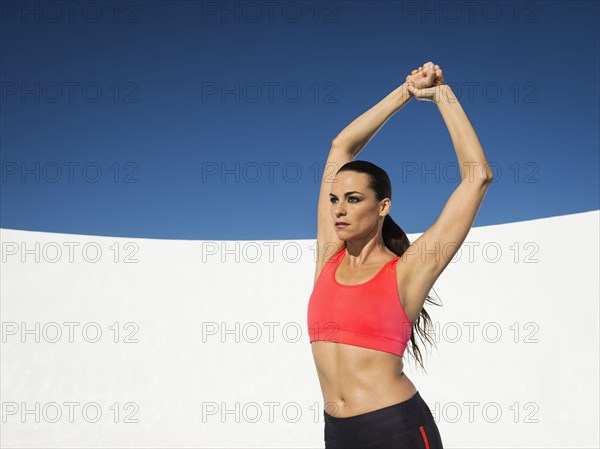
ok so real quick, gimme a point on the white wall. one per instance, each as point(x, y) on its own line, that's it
point(179, 352)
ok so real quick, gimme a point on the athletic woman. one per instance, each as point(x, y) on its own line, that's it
point(371, 284)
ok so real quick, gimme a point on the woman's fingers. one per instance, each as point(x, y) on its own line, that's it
point(422, 82)
point(429, 76)
point(425, 76)
point(439, 77)
point(425, 94)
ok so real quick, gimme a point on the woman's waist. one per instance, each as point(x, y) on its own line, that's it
point(357, 394)
point(407, 412)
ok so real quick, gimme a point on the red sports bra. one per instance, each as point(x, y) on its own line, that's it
point(368, 314)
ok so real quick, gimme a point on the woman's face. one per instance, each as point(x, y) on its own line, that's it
point(354, 203)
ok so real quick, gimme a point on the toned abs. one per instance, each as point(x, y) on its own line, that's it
point(357, 380)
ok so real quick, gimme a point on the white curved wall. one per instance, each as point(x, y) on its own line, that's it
point(204, 344)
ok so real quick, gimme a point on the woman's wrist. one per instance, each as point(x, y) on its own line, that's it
point(443, 93)
point(406, 94)
point(402, 95)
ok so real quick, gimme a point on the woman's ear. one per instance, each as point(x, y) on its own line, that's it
point(386, 206)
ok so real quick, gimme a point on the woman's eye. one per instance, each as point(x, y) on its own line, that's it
point(333, 200)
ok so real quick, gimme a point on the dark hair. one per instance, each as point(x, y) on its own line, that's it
point(396, 240)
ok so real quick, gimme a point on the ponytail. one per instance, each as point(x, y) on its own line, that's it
point(397, 241)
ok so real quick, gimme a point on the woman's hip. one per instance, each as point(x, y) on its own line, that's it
point(408, 424)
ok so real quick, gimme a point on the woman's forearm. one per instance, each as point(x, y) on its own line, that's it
point(359, 132)
point(471, 159)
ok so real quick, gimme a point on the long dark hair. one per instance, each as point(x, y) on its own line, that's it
point(397, 241)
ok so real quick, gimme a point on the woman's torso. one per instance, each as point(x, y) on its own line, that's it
point(356, 380)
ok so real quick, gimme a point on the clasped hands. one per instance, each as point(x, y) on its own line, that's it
point(424, 83)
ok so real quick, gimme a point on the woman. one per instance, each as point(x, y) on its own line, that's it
point(367, 300)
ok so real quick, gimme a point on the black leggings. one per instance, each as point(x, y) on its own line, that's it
point(406, 425)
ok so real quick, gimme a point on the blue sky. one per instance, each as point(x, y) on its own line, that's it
point(212, 120)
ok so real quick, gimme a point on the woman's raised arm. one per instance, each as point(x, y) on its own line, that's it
point(471, 159)
point(429, 255)
point(360, 131)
